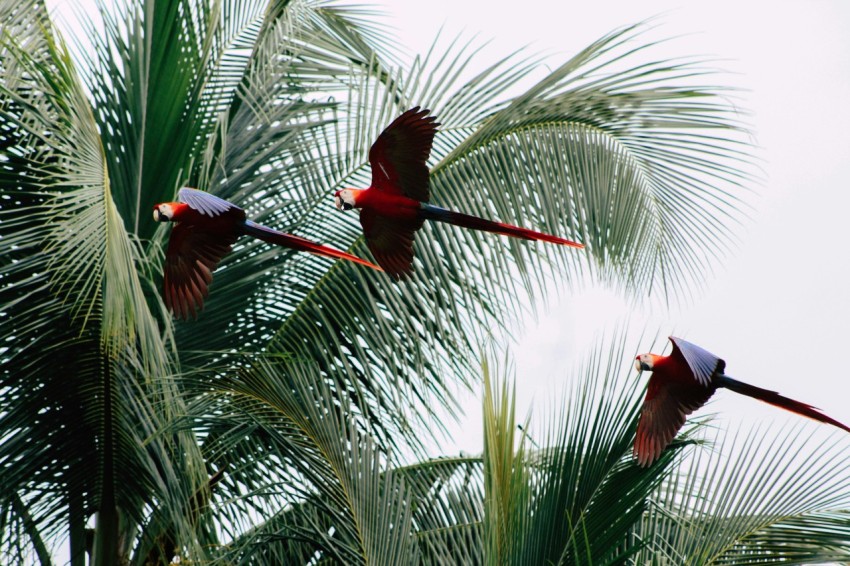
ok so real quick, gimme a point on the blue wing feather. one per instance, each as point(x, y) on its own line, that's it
point(703, 363)
point(205, 203)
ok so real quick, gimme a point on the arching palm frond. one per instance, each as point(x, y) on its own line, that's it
point(328, 482)
point(618, 153)
point(447, 497)
point(758, 496)
point(570, 492)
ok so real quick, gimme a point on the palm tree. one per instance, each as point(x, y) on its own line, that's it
point(112, 410)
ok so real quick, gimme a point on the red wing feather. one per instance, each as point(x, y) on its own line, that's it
point(391, 241)
point(399, 154)
point(193, 253)
point(665, 407)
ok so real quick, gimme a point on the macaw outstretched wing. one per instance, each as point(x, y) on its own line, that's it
point(399, 155)
point(205, 203)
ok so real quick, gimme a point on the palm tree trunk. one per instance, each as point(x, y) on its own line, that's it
point(105, 551)
point(77, 527)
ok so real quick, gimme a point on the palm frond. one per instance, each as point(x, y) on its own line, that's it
point(506, 478)
point(618, 153)
point(324, 471)
point(574, 495)
point(759, 496)
point(447, 496)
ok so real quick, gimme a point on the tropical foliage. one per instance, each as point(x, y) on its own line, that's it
point(564, 492)
point(274, 426)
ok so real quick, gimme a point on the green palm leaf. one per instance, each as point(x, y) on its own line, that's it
point(625, 161)
point(573, 496)
point(755, 499)
point(326, 474)
point(447, 496)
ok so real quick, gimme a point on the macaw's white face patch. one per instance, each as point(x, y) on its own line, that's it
point(644, 362)
point(163, 213)
point(344, 199)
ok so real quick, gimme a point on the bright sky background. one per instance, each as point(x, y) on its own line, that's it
point(778, 309)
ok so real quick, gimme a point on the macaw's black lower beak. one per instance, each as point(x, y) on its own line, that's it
point(342, 205)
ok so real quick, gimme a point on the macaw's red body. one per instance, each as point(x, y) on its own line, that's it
point(681, 383)
point(395, 206)
point(206, 229)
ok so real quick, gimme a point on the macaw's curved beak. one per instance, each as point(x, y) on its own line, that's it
point(640, 367)
point(341, 204)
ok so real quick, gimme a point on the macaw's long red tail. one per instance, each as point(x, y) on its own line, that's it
point(778, 400)
point(431, 212)
point(301, 244)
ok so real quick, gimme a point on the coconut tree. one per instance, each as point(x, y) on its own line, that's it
point(122, 431)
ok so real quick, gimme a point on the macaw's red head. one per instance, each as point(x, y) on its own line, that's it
point(163, 212)
point(345, 199)
point(646, 362)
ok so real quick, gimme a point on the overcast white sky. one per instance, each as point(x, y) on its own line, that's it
point(778, 309)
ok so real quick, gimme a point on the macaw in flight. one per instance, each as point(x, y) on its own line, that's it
point(206, 229)
point(682, 383)
point(396, 205)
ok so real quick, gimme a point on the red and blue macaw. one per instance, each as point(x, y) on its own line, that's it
point(682, 383)
point(396, 205)
point(205, 231)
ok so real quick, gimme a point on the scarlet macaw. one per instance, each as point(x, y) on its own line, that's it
point(682, 383)
point(395, 206)
point(206, 229)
